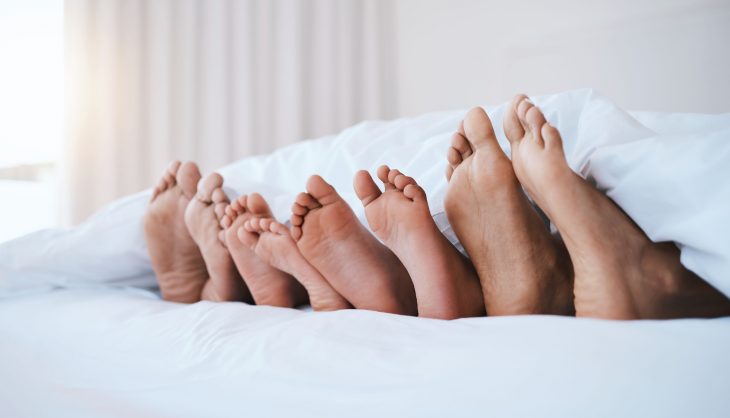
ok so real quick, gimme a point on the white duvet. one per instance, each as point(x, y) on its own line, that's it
point(104, 347)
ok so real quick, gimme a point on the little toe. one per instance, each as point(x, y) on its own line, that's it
point(461, 145)
point(365, 187)
point(449, 172)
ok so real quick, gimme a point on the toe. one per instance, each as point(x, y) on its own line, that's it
point(365, 187)
point(307, 201)
point(220, 210)
point(219, 196)
point(258, 206)
point(297, 220)
point(246, 237)
point(188, 177)
point(322, 191)
point(173, 167)
point(279, 228)
point(298, 209)
point(551, 136)
point(414, 192)
point(296, 233)
point(512, 126)
point(208, 185)
point(383, 172)
point(401, 181)
point(463, 149)
point(478, 128)
point(449, 172)
point(226, 221)
point(535, 120)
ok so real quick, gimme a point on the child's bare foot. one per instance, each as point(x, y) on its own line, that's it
point(522, 269)
point(272, 242)
point(447, 287)
point(268, 285)
point(357, 265)
point(202, 217)
point(619, 272)
point(175, 257)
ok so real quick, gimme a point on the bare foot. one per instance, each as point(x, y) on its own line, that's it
point(522, 269)
point(268, 285)
point(619, 272)
point(176, 259)
point(356, 264)
point(446, 285)
point(272, 242)
point(202, 217)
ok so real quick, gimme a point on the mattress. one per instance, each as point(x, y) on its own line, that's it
point(83, 332)
point(124, 353)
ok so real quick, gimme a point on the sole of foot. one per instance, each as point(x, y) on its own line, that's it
point(355, 263)
point(202, 218)
point(619, 272)
point(267, 284)
point(446, 285)
point(175, 257)
point(271, 241)
point(522, 268)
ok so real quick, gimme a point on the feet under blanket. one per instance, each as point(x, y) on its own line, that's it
point(667, 171)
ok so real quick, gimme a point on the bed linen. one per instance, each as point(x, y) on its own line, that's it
point(124, 353)
point(83, 333)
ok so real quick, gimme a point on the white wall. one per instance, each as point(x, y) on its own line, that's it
point(665, 55)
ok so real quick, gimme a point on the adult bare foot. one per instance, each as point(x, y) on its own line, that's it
point(272, 242)
point(522, 268)
point(202, 218)
point(619, 272)
point(356, 264)
point(268, 285)
point(446, 285)
point(176, 259)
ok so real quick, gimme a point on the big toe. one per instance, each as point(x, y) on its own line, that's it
point(257, 205)
point(208, 185)
point(322, 191)
point(188, 176)
point(365, 187)
point(478, 128)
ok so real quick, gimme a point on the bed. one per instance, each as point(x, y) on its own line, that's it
point(83, 332)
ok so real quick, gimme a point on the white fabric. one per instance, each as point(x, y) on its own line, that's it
point(110, 353)
point(112, 350)
point(667, 171)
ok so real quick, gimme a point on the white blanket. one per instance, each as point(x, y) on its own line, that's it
point(667, 171)
point(112, 349)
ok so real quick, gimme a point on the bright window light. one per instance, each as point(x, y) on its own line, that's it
point(31, 114)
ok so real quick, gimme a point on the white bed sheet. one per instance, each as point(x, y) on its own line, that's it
point(116, 353)
point(107, 348)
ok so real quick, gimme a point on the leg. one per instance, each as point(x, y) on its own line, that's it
point(272, 242)
point(522, 268)
point(202, 217)
point(358, 266)
point(445, 282)
point(176, 259)
point(268, 285)
point(619, 272)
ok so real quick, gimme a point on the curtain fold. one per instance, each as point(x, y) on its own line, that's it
point(212, 81)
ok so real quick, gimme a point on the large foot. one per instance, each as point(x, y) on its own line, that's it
point(272, 242)
point(176, 259)
point(619, 272)
point(268, 285)
point(356, 264)
point(522, 269)
point(202, 218)
point(446, 285)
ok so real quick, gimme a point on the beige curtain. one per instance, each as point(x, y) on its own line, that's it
point(212, 81)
